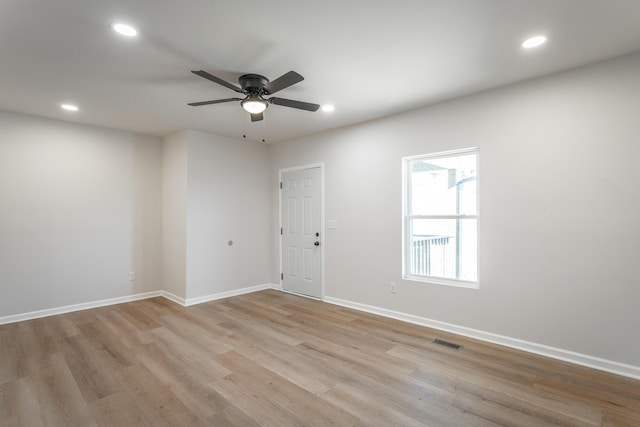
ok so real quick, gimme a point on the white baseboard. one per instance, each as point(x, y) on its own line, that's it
point(173, 297)
point(77, 307)
point(129, 298)
point(543, 350)
point(227, 294)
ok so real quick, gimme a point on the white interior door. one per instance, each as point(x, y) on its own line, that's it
point(301, 210)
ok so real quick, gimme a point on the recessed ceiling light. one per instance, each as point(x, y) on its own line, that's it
point(328, 108)
point(124, 29)
point(534, 42)
point(69, 107)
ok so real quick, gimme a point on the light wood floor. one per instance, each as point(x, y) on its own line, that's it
point(273, 359)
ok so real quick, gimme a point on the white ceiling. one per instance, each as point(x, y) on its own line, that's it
point(369, 58)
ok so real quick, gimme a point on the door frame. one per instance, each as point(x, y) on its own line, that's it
point(323, 238)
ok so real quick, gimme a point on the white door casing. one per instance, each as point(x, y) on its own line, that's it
point(301, 228)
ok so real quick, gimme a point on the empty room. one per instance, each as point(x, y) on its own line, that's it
point(355, 213)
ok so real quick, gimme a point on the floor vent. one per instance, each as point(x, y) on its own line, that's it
point(447, 344)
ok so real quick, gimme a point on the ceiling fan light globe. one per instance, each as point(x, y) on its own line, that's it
point(254, 106)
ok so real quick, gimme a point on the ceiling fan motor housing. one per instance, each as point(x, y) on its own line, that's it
point(252, 81)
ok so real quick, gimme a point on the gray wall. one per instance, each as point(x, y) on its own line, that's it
point(559, 206)
point(82, 206)
point(79, 210)
point(228, 200)
point(174, 213)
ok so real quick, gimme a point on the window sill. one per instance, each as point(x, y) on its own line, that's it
point(442, 281)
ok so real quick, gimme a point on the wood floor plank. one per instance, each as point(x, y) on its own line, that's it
point(127, 332)
point(600, 396)
point(261, 409)
point(59, 398)
point(336, 317)
point(206, 338)
point(109, 346)
point(10, 368)
point(275, 359)
point(496, 413)
point(156, 307)
point(568, 411)
point(341, 335)
point(613, 419)
point(184, 383)
point(265, 311)
point(445, 356)
point(264, 328)
point(19, 404)
point(284, 360)
point(199, 363)
point(506, 407)
point(92, 373)
point(232, 416)
point(117, 410)
point(353, 400)
point(154, 399)
point(82, 316)
point(295, 406)
point(607, 383)
point(35, 346)
point(201, 398)
point(137, 315)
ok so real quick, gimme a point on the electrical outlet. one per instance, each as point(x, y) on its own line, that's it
point(132, 276)
point(393, 288)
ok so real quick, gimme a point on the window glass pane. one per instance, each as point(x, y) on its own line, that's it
point(445, 248)
point(443, 186)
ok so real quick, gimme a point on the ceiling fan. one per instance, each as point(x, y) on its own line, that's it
point(255, 87)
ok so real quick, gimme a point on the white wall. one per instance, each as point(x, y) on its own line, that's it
point(228, 200)
point(559, 205)
point(174, 214)
point(79, 210)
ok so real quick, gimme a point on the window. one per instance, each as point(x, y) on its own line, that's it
point(440, 230)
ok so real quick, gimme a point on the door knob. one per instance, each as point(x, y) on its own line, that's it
point(317, 243)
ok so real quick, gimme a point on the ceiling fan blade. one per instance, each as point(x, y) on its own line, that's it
point(294, 104)
point(215, 101)
point(282, 82)
point(257, 117)
point(218, 80)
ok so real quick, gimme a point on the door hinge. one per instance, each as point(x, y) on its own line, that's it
point(281, 186)
point(281, 276)
point(281, 231)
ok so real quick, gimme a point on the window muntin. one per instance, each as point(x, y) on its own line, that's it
point(441, 218)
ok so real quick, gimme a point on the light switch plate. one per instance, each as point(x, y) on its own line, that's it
point(332, 224)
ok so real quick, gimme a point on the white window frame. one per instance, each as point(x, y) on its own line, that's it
point(406, 219)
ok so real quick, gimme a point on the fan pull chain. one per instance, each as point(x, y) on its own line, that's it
point(263, 125)
point(244, 126)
